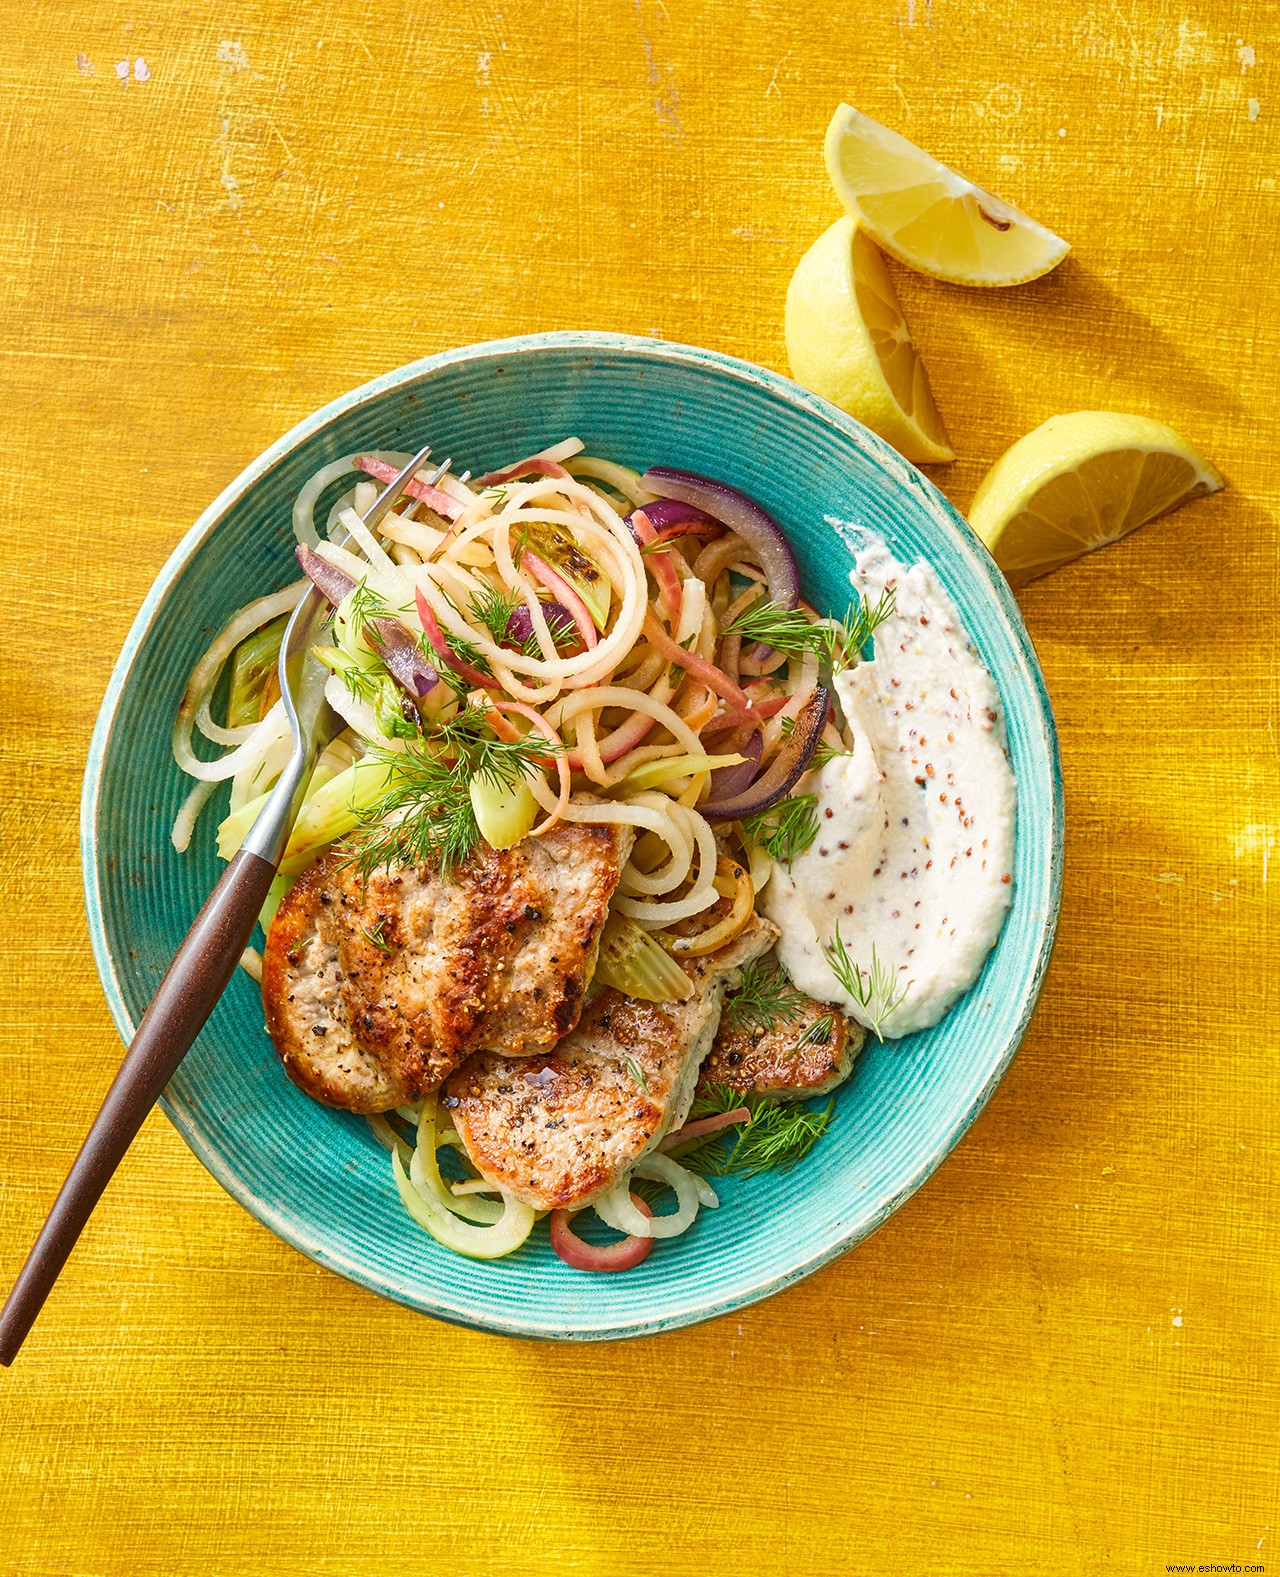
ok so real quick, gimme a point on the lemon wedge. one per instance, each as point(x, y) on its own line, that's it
point(848, 341)
point(928, 216)
point(1079, 482)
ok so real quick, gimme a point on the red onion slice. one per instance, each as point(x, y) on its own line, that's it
point(334, 583)
point(784, 770)
point(403, 657)
point(559, 622)
point(623, 1255)
point(666, 513)
point(729, 782)
point(389, 638)
point(738, 512)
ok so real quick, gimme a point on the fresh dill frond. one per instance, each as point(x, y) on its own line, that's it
point(785, 829)
point(362, 683)
point(862, 621)
point(364, 605)
point(787, 630)
point(776, 1139)
point(493, 607)
point(821, 755)
point(426, 816)
point(874, 990)
point(560, 627)
point(713, 1100)
point(837, 644)
point(764, 998)
point(819, 1033)
point(374, 935)
point(467, 651)
point(636, 1073)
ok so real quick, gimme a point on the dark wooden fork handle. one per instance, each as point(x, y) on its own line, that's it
point(195, 980)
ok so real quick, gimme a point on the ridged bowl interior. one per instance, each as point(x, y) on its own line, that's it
point(318, 1178)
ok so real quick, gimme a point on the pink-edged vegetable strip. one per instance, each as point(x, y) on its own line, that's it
point(441, 647)
point(664, 571)
point(703, 1128)
point(625, 1254)
point(564, 593)
point(538, 466)
point(705, 672)
point(442, 503)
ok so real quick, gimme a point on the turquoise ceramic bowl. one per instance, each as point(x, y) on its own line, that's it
point(318, 1178)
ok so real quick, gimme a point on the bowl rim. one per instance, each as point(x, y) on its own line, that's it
point(845, 429)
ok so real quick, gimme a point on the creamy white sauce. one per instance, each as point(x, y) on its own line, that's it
point(914, 853)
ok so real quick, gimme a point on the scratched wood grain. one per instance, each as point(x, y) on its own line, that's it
point(1061, 1357)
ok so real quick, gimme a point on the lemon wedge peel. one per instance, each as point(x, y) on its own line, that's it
point(1079, 482)
point(848, 340)
point(927, 215)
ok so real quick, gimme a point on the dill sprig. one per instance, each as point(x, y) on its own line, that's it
point(837, 644)
point(374, 935)
point(785, 829)
point(764, 998)
point(466, 651)
point(819, 1033)
point(426, 816)
point(493, 607)
point(364, 605)
point(777, 1138)
point(635, 1073)
point(362, 683)
point(874, 990)
point(821, 755)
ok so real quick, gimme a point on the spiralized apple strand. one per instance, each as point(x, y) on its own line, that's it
point(572, 706)
point(703, 893)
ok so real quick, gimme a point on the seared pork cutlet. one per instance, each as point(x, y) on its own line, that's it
point(376, 990)
point(558, 1129)
point(808, 1055)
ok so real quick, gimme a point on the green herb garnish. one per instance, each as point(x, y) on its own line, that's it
point(374, 935)
point(821, 755)
point(786, 828)
point(837, 645)
point(636, 1073)
point(429, 796)
point(363, 606)
point(493, 607)
point(819, 1033)
point(777, 1138)
point(362, 684)
point(764, 998)
point(874, 989)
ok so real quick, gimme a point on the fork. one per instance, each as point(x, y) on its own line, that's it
point(206, 959)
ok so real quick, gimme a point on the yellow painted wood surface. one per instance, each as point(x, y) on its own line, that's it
point(1059, 1358)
